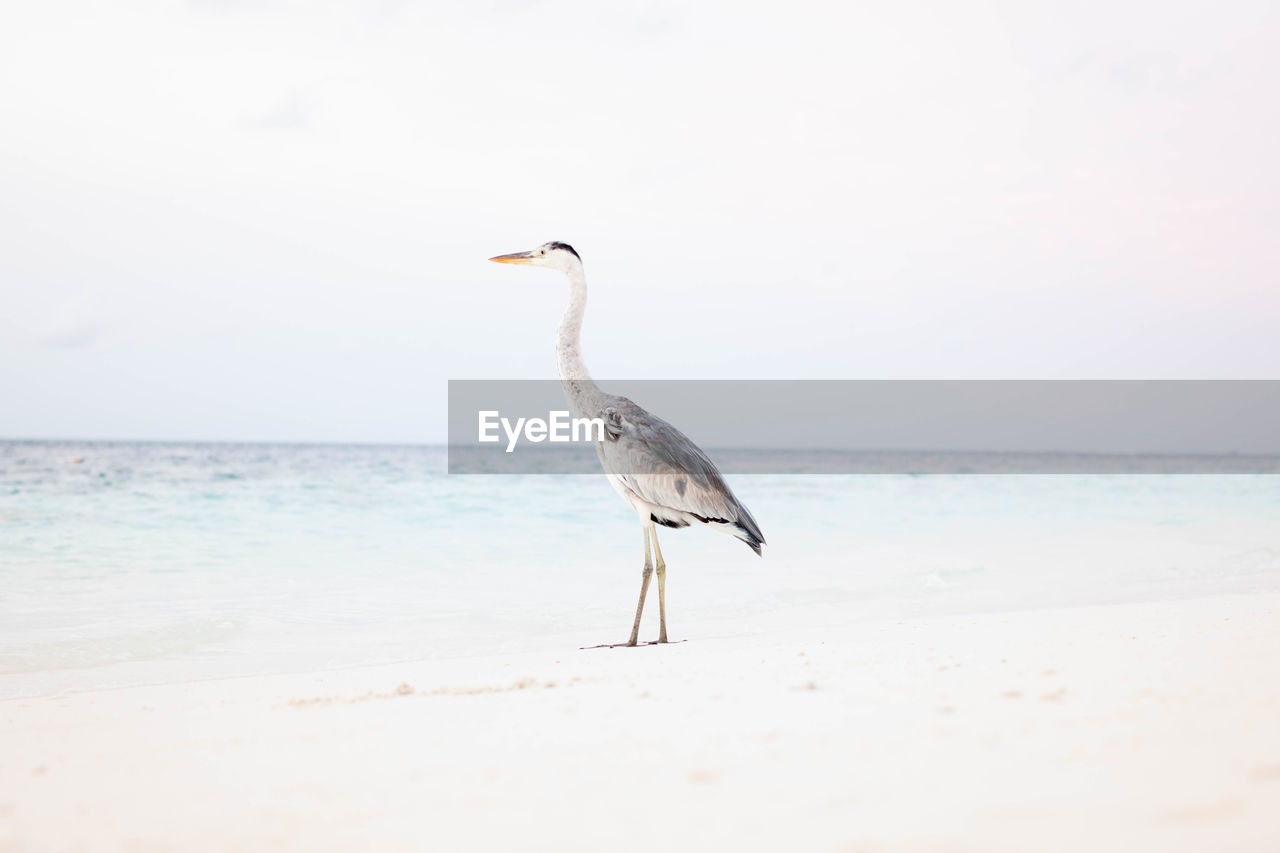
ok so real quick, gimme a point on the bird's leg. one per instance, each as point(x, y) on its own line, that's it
point(644, 587)
point(662, 585)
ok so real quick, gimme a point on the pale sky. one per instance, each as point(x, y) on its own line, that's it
point(269, 220)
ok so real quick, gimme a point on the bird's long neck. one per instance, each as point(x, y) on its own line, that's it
point(579, 389)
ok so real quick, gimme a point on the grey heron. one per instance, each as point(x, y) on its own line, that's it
point(657, 470)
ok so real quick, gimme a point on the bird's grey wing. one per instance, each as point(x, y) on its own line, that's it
point(665, 468)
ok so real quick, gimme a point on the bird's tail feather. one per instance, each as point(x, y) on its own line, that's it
point(751, 537)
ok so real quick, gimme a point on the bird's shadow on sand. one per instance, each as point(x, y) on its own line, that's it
point(629, 646)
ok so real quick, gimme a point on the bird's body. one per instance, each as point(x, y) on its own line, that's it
point(657, 470)
point(681, 486)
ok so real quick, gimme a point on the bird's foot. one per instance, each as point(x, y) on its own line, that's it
point(629, 644)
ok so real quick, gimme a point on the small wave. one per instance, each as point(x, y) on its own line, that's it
point(84, 652)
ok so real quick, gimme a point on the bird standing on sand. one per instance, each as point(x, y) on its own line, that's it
point(659, 472)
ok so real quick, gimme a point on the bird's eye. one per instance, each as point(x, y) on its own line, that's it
point(542, 251)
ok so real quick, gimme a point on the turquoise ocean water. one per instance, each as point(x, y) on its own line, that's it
point(132, 563)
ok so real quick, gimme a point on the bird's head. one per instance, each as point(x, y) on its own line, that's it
point(557, 256)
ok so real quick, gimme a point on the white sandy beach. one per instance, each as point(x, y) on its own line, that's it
point(1140, 726)
point(972, 307)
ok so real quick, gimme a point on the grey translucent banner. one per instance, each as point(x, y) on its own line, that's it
point(881, 427)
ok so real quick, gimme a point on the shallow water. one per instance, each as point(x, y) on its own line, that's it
point(127, 563)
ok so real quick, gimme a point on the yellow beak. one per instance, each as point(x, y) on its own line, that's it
point(514, 258)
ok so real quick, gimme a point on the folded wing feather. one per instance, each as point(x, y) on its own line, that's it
point(663, 467)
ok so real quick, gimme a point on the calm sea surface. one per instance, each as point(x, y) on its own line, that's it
point(129, 563)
